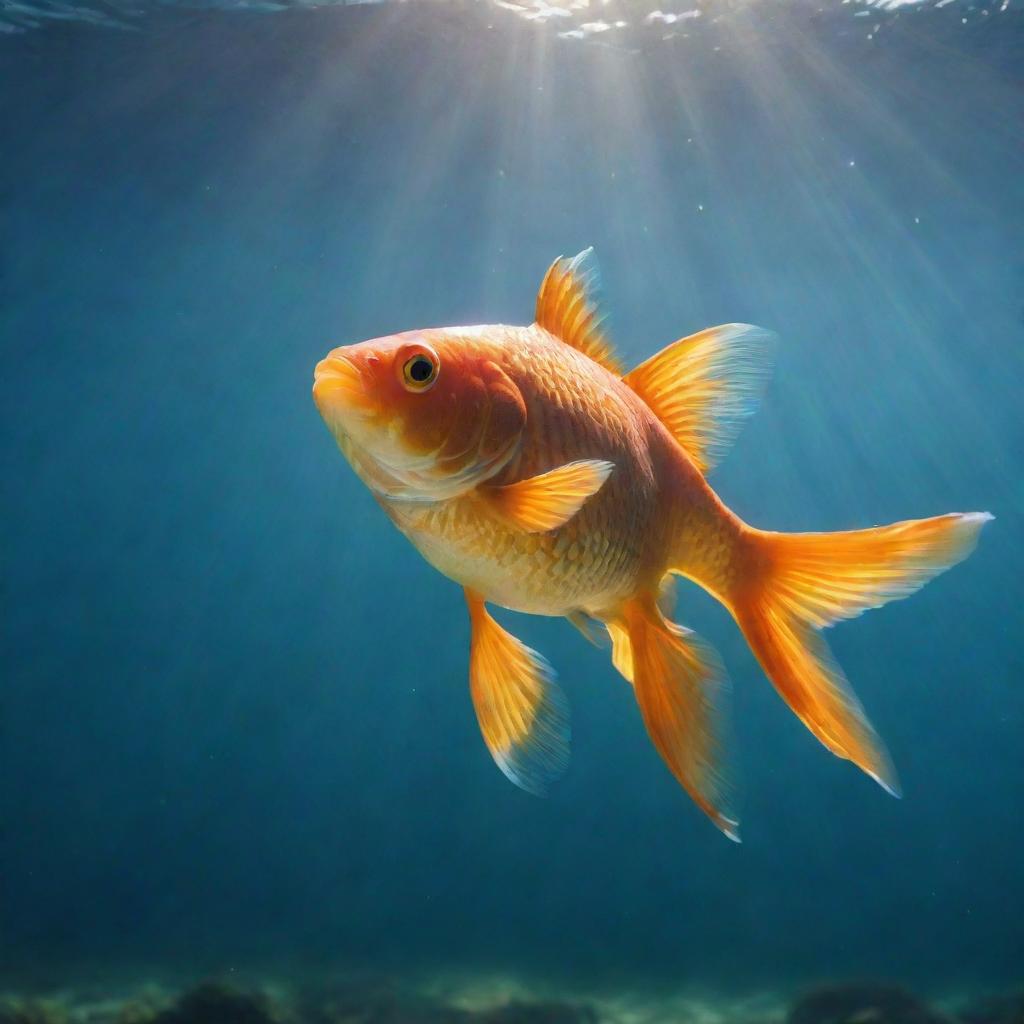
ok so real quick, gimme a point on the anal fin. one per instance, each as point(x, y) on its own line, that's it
point(523, 714)
point(680, 686)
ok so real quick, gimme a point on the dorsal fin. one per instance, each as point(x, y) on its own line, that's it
point(566, 308)
point(703, 387)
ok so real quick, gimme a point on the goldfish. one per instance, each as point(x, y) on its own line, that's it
point(525, 466)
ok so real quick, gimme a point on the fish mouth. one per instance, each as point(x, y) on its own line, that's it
point(338, 388)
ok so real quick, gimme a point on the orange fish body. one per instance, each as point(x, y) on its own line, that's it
point(620, 539)
point(523, 466)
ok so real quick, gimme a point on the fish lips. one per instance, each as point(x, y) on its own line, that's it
point(352, 412)
point(340, 391)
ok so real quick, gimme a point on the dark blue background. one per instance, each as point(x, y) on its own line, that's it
point(234, 720)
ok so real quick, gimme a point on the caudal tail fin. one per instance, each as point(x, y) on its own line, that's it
point(798, 583)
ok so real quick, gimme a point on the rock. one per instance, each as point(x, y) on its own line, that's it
point(373, 1001)
point(538, 1013)
point(353, 1002)
point(212, 1003)
point(30, 1011)
point(1001, 1009)
point(368, 1001)
point(385, 1004)
point(862, 1004)
point(137, 1011)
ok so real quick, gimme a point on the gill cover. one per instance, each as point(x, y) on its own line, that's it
point(476, 432)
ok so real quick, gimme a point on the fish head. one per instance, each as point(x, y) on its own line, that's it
point(423, 415)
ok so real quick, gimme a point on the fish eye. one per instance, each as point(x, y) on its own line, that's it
point(419, 371)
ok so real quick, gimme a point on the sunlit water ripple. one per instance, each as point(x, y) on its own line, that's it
point(607, 22)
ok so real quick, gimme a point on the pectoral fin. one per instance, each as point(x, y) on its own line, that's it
point(523, 714)
point(550, 500)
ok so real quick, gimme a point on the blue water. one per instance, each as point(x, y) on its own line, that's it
point(234, 719)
